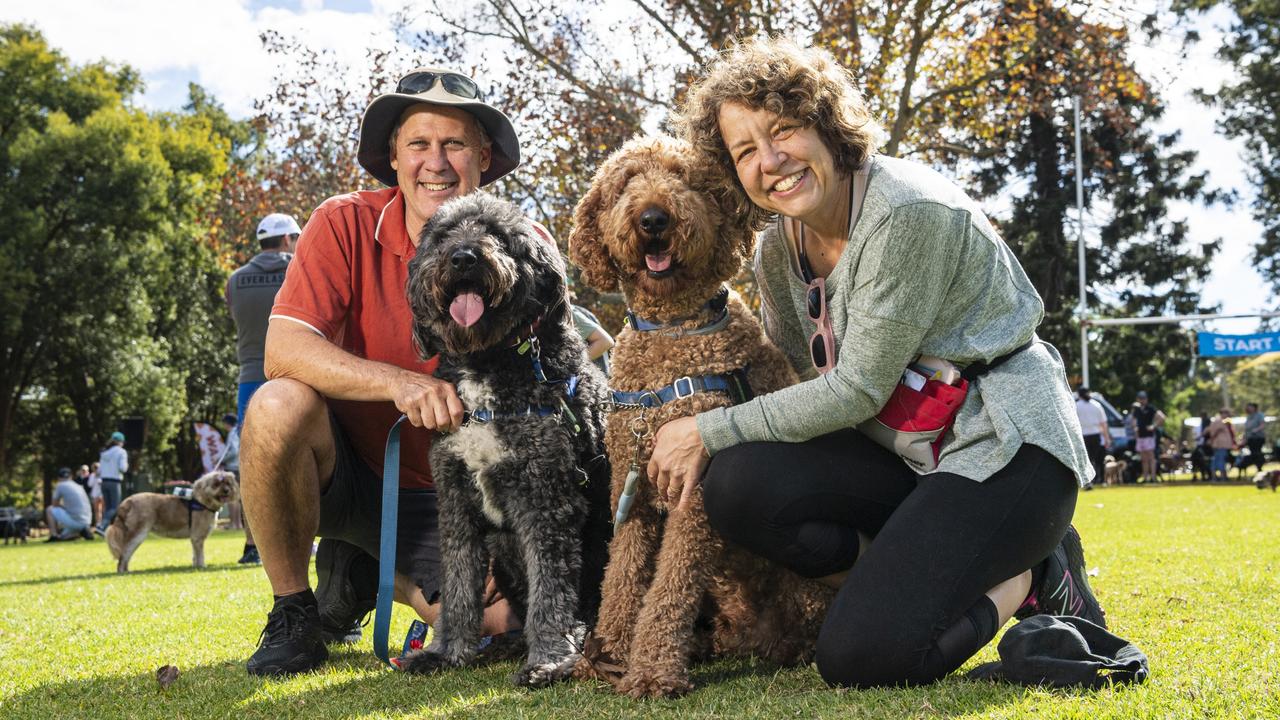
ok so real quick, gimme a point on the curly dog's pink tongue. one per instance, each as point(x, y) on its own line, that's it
point(466, 309)
point(658, 263)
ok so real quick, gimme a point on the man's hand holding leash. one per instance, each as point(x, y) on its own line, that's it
point(427, 401)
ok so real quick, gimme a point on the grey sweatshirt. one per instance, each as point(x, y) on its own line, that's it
point(251, 291)
point(924, 273)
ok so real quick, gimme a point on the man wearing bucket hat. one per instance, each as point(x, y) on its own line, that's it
point(112, 464)
point(342, 368)
point(250, 293)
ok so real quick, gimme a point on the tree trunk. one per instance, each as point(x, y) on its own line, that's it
point(8, 404)
point(1047, 214)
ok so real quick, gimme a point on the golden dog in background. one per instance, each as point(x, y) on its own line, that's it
point(171, 516)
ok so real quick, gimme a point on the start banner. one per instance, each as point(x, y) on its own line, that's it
point(211, 446)
point(1213, 344)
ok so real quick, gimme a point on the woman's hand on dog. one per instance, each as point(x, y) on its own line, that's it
point(428, 402)
point(678, 460)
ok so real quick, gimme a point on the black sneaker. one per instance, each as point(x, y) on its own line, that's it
point(86, 533)
point(250, 556)
point(345, 597)
point(290, 643)
point(1064, 587)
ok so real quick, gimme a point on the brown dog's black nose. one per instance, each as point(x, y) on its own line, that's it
point(654, 220)
point(463, 259)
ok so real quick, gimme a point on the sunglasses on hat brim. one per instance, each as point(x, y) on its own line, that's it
point(416, 83)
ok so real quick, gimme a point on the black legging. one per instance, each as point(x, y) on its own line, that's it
point(914, 607)
point(1255, 456)
point(1097, 453)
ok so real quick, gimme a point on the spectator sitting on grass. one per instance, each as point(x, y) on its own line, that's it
point(70, 513)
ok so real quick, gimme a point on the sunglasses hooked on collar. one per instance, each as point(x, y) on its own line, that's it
point(822, 343)
point(419, 82)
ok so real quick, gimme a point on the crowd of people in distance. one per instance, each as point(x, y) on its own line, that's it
point(1145, 451)
point(83, 503)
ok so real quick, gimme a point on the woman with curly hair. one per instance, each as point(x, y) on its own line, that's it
point(866, 264)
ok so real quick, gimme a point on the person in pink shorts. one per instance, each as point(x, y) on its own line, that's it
point(1147, 419)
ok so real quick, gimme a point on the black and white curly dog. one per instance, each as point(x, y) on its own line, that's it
point(524, 482)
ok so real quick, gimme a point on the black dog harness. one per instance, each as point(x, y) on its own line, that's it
point(193, 507)
point(734, 384)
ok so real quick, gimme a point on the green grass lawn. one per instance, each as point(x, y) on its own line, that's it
point(1187, 572)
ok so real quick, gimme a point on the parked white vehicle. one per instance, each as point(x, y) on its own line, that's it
point(1115, 425)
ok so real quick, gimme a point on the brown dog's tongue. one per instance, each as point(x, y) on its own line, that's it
point(658, 263)
point(466, 309)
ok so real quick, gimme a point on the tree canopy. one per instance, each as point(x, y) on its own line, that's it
point(1248, 108)
point(107, 286)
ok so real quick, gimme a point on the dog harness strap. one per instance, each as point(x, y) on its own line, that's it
point(733, 384)
point(193, 506)
point(484, 415)
point(387, 546)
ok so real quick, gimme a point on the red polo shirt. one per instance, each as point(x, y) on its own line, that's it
point(347, 282)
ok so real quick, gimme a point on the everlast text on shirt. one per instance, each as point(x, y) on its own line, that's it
point(252, 280)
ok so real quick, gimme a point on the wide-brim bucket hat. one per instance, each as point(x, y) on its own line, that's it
point(374, 152)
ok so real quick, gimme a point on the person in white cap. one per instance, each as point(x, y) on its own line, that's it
point(343, 367)
point(251, 291)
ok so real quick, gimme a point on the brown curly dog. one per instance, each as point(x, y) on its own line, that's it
point(649, 227)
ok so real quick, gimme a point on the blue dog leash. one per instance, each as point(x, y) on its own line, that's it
point(387, 548)
point(391, 516)
point(391, 489)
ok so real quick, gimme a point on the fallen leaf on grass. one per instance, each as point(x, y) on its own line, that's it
point(165, 675)
point(1176, 599)
point(1093, 572)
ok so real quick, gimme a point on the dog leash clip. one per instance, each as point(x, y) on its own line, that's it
point(639, 431)
point(533, 348)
